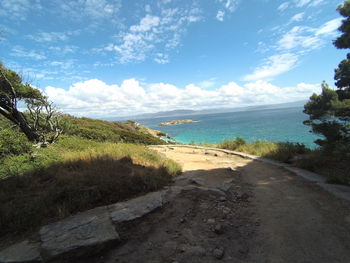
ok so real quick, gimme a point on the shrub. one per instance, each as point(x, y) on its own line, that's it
point(161, 134)
point(232, 145)
point(13, 143)
point(281, 151)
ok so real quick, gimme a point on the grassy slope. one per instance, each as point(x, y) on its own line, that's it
point(110, 131)
point(38, 186)
point(334, 166)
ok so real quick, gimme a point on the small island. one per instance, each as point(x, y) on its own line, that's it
point(174, 122)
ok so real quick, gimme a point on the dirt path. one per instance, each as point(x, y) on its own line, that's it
point(262, 213)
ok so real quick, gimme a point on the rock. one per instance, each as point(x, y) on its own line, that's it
point(135, 208)
point(197, 181)
point(226, 185)
point(190, 251)
point(211, 221)
point(80, 235)
point(243, 196)
point(25, 251)
point(218, 229)
point(222, 198)
point(188, 235)
point(196, 251)
point(219, 252)
point(181, 177)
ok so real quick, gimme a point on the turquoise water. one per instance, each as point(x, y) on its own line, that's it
point(278, 125)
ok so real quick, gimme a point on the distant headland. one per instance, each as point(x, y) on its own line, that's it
point(174, 122)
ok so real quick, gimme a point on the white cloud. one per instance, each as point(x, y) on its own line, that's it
point(226, 6)
point(146, 24)
point(49, 37)
point(329, 28)
point(230, 5)
point(207, 83)
point(161, 58)
point(96, 98)
point(311, 3)
point(18, 9)
point(283, 6)
point(161, 32)
point(301, 3)
point(297, 18)
point(18, 51)
point(66, 49)
point(307, 37)
point(220, 15)
point(64, 65)
point(273, 66)
point(91, 9)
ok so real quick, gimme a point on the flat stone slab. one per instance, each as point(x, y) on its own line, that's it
point(25, 251)
point(135, 208)
point(79, 235)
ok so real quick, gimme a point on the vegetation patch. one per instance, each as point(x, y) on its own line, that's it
point(332, 165)
point(72, 175)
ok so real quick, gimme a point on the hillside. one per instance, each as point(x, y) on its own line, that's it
point(93, 163)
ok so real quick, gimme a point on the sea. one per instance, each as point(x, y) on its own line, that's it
point(279, 125)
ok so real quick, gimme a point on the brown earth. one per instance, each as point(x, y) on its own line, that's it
point(267, 215)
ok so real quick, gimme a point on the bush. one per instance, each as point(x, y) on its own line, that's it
point(13, 143)
point(280, 151)
point(161, 134)
point(232, 145)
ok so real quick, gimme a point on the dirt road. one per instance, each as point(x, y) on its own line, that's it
point(260, 213)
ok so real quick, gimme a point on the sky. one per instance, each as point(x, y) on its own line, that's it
point(113, 58)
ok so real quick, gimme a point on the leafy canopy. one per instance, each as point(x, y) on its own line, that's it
point(329, 112)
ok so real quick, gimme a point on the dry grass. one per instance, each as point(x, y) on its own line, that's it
point(76, 178)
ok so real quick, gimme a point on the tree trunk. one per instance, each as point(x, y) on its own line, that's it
point(17, 118)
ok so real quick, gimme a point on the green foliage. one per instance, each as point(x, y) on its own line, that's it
point(13, 143)
point(160, 134)
point(328, 117)
point(343, 41)
point(329, 112)
point(41, 122)
point(335, 167)
point(72, 175)
point(280, 151)
point(21, 91)
point(232, 145)
point(102, 131)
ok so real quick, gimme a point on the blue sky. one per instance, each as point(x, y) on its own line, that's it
point(104, 58)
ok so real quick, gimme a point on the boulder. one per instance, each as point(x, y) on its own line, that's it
point(135, 208)
point(80, 235)
point(25, 251)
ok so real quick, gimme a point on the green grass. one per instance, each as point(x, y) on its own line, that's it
point(335, 167)
point(280, 151)
point(72, 175)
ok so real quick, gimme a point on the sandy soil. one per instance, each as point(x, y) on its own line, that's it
point(267, 215)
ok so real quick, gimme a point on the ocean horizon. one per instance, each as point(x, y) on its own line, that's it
point(278, 125)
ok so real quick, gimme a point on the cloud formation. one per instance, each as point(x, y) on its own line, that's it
point(161, 32)
point(273, 66)
point(95, 98)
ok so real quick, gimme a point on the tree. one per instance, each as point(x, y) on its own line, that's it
point(41, 123)
point(329, 112)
